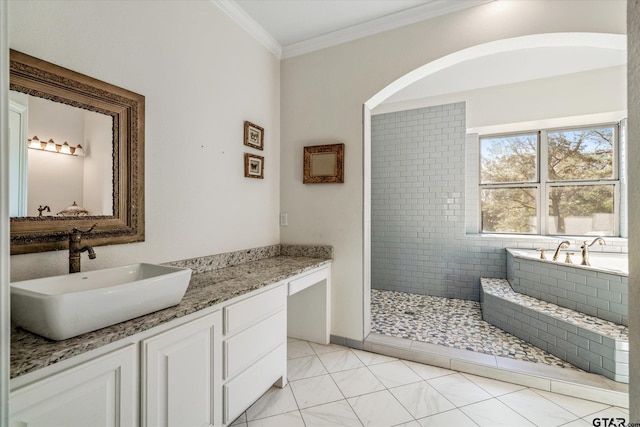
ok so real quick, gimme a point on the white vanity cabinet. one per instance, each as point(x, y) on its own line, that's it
point(254, 349)
point(203, 369)
point(309, 306)
point(181, 375)
point(99, 392)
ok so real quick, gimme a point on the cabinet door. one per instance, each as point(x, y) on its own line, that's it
point(100, 392)
point(182, 375)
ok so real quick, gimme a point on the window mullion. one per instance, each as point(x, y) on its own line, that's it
point(616, 152)
point(543, 178)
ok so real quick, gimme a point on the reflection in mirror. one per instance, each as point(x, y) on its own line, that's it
point(56, 180)
point(103, 186)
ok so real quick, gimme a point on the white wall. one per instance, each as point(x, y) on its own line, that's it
point(98, 163)
point(53, 120)
point(322, 97)
point(202, 76)
point(536, 100)
point(54, 180)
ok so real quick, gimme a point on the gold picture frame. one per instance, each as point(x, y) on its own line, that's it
point(253, 135)
point(324, 164)
point(253, 166)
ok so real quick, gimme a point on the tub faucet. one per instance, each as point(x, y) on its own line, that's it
point(76, 248)
point(563, 245)
point(585, 249)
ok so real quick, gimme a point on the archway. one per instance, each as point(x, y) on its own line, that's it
point(550, 40)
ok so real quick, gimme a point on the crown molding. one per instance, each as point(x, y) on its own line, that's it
point(247, 23)
point(416, 14)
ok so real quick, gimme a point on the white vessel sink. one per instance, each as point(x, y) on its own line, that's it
point(62, 307)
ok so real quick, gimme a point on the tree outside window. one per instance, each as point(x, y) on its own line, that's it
point(577, 180)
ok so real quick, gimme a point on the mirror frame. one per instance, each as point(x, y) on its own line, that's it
point(43, 79)
point(309, 157)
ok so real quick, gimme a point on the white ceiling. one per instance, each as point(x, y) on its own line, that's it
point(293, 27)
point(291, 22)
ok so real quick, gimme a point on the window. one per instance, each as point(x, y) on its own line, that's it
point(550, 182)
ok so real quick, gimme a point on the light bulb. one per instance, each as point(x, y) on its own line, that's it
point(35, 143)
point(65, 149)
point(51, 146)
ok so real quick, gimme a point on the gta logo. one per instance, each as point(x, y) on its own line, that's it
point(610, 422)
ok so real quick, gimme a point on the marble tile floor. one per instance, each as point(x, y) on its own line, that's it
point(449, 322)
point(338, 386)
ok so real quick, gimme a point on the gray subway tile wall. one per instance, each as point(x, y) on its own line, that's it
point(418, 235)
point(594, 293)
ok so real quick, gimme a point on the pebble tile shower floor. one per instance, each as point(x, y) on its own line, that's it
point(449, 322)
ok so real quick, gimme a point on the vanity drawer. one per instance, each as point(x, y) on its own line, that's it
point(249, 311)
point(250, 345)
point(242, 391)
point(304, 282)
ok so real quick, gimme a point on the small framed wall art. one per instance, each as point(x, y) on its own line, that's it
point(253, 166)
point(324, 164)
point(253, 135)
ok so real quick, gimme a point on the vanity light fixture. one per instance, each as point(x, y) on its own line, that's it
point(64, 148)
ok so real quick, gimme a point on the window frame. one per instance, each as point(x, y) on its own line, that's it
point(543, 185)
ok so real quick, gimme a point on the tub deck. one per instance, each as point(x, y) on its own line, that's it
point(588, 342)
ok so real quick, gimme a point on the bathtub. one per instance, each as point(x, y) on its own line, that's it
point(615, 263)
point(599, 290)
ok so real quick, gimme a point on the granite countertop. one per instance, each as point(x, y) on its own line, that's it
point(30, 352)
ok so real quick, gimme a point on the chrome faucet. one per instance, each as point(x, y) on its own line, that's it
point(76, 248)
point(563, 245)
point(585, 249)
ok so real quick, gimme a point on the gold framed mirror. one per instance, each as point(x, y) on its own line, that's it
point(323, 164)
point(122, 221)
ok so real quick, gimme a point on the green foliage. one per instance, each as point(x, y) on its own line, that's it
point(509, 159)
point(580, 155)
point(573, 156)
point(509, 210)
